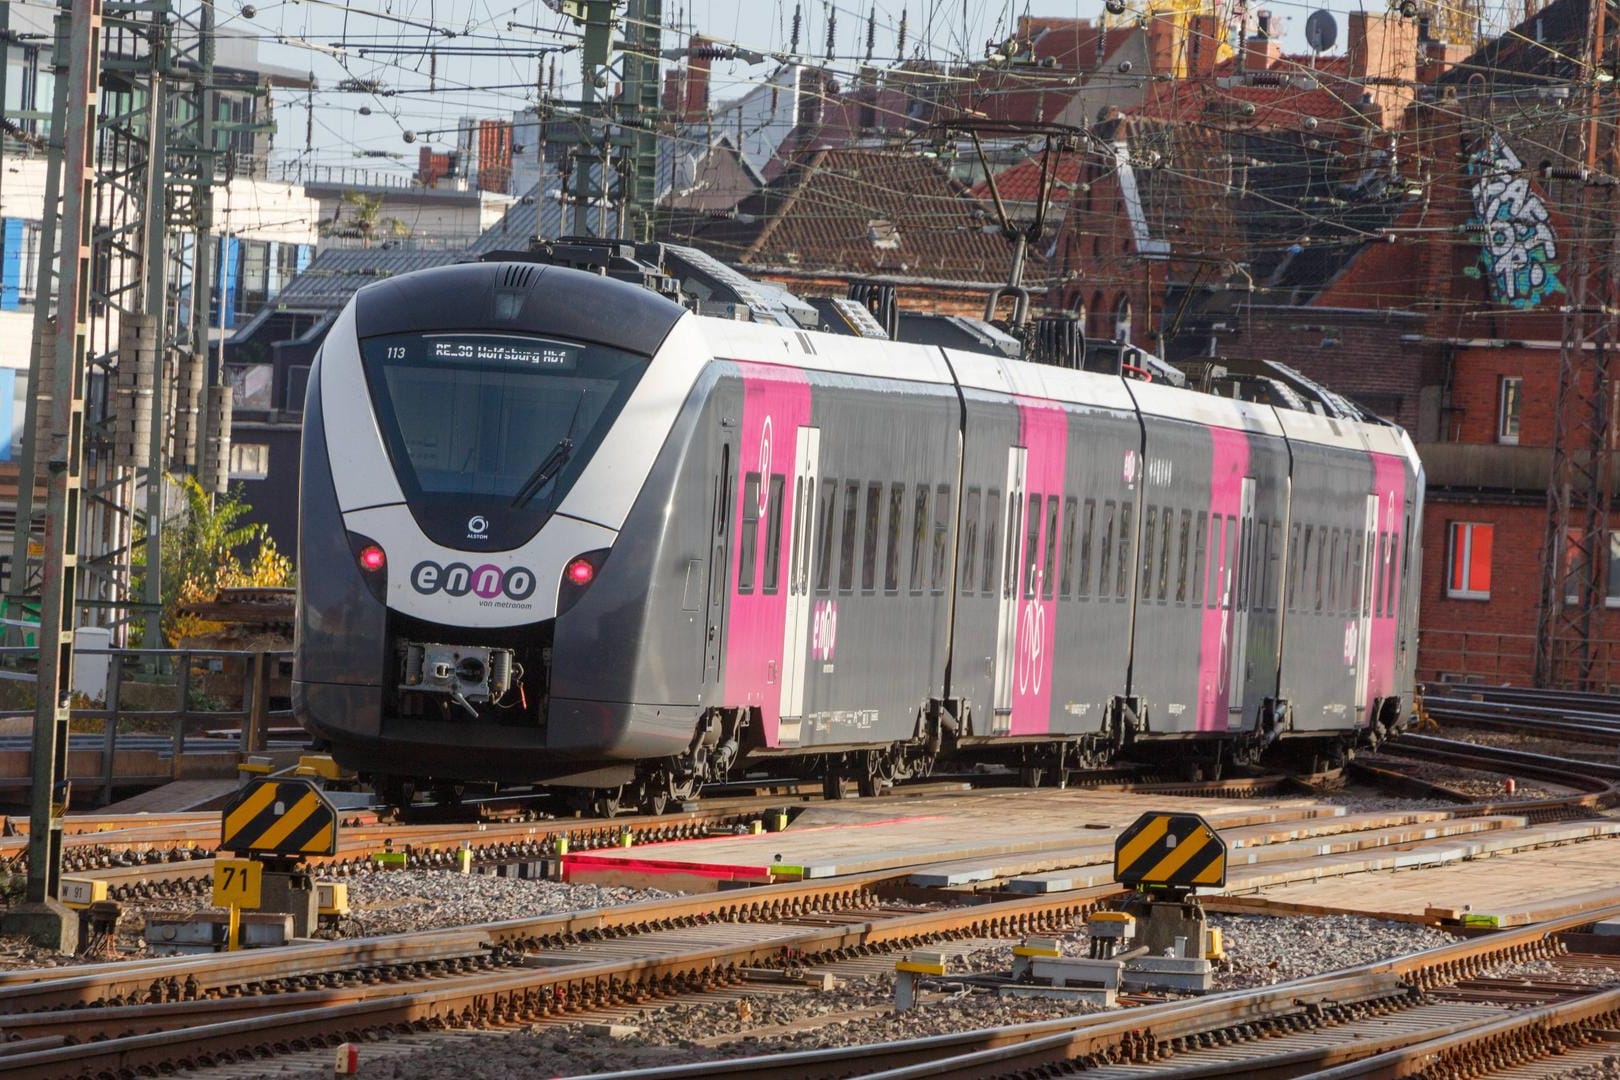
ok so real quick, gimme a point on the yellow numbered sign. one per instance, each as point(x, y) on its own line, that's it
point(237, 883)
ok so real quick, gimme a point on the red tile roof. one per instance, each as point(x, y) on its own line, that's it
point(854, 212)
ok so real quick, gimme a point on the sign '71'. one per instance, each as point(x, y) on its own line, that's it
point(238, 883)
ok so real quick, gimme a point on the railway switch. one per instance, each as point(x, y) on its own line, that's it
point(917, 965)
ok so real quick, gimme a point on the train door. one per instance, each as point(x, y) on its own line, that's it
point(1364, 605)
point(1238, 587)
point(801, 542)
point(1007, 613)
point(719, 568)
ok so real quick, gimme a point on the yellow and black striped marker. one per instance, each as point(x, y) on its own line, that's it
point(279, 817)
point(1174, 851)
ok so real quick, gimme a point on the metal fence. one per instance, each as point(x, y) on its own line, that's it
point(1485, 656)
point(172, 694)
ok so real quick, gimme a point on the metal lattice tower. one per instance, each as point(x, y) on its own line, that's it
point(1575, 549)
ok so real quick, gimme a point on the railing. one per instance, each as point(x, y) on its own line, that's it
point(204, 689)
point(1483, 656)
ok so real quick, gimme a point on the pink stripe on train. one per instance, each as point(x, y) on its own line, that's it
point(776, 403)
point(1043, 430)
point(1228, 464)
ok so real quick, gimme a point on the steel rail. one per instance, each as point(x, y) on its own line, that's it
point(1138, 1032)
point(1521, 1036)
point(512, 995)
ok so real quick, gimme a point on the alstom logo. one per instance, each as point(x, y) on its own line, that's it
point(487, 581)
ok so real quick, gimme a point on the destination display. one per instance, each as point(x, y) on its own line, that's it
point(481, 349)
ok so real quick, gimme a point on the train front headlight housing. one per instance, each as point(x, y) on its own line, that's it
point(372, 560)
point(577, 576)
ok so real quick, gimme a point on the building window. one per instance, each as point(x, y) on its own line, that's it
point(1469, 561)
point(250, 385)
point(1507, 409)
point(250, 461)
point(1122, 318)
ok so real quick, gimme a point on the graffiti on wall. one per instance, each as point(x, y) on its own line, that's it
point(1519, 252)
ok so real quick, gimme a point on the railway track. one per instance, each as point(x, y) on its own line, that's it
point(1440, 1005)
point(142, 859)
point(185, 1012)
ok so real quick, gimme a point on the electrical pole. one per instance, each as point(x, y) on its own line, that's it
point(1576, 547)
point(593, 70)
point(42, 918)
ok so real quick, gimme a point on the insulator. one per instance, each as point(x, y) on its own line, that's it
point(42, 396)
point(832, 33)
point(871, 33)
point(900, 44)
point(188, 396)
point(136, 385)
point(798, 24)
point(215, 464)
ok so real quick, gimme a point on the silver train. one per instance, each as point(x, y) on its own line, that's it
point(558, 529)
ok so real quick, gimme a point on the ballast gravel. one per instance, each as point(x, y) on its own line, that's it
point(404, 901)
point(1264, 949)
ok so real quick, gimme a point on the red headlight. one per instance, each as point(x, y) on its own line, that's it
point(372, 558)
point(579, 572)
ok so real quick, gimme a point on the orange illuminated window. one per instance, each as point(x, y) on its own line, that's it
point(1469, 568)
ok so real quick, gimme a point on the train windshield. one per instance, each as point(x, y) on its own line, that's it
point(509, 419)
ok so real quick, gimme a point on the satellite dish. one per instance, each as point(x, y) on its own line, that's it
point(1321, 31)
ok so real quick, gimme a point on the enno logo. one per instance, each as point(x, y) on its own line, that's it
point(458, 579)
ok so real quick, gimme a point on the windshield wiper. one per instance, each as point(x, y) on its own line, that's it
point(545, 471)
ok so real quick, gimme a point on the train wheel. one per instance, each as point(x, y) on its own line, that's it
point(868, 782)
point(654, 800)
point(832, 779)
point(606, 801)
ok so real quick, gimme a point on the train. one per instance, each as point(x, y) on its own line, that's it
point(567, 531)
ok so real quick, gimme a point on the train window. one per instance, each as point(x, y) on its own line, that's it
point(1104, 563)
point(723, 486)
point(1217, 558)
point(1389, 576)
point(773, 533)
point(1333, 573)
point(1010, 549)
point(799, 498)
point(1071, 508)
point(1150, 517)
point(1379, 547)
point(1358, 577)
point(1348, 601)
point(942, 529)
point(1166, 526)
point(1126, 535)
point(1321, 562)
point(1406, 556)
point(891, 563)
point(1274, 541)
point(1049, 563)
point(1200, 537)
point(824, 524)
point(1088, 519)
point(749, 536)
point(870, 534)
point(1245, 562)
point(1294, 554)
point(846, 553)
point(1229, 563)
point(1181, 557)
point(992, 540)
point(494, 416)
point(970, 539)
point(1032, 542)
point(919, 537)
point(1260, 532)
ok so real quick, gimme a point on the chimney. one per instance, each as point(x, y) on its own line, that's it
point(699, 57)
point(1203, 45)
point(1262, 49)
point(1162, 42)
point(1382, 46)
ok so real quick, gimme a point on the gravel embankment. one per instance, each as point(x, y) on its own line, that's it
point(1357, 799)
